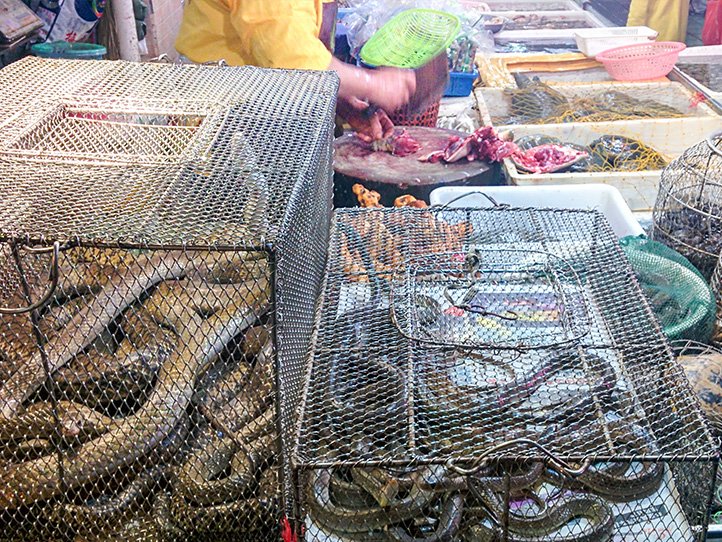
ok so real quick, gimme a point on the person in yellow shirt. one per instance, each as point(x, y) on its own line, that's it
point(290, 34)
point(668, 17)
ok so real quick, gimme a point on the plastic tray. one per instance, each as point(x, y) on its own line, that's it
point(592, 41)
point(546, 35)
point(495, 103)
point(606, 199)
point(639, 188)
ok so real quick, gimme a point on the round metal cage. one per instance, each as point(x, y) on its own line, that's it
point(688, 211)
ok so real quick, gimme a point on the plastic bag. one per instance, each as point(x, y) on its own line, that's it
point(678, 294)
point(712, 29)
point(370, 15)
point(470, 41)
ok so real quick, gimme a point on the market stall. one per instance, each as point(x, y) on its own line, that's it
point(479, 343)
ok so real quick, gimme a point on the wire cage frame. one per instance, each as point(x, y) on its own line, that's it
point(158, 276)
point(715, 283)
point(686, 215)
point(403, 438)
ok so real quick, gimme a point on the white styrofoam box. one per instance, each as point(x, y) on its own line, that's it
point(604, 198)
point(638, 188)
point(546, 35)
point(496, 103)
point(592, 41)
point(704, 53)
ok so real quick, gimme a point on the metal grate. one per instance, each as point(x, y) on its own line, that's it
point(548, 390)
point(162, 245)
point(688, 211)
point(442, 300)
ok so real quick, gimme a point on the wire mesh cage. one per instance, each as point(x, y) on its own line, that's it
point(702, 364)
point(715, 285)
point(519, 388)
point(687, 214)
point(162, 244)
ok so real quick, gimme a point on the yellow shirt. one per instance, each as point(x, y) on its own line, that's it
point(265, 33)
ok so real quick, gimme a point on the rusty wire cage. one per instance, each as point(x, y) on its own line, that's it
point(163, 236)
point(493, 374)
point(687, 214)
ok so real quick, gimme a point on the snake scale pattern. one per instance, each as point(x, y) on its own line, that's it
point(148, 400)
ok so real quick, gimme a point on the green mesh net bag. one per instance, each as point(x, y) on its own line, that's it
point(680, 297)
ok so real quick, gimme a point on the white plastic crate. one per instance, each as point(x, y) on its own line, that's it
point(546, 35)
point(605, 199)
point(592, 41)
point(496, 103)
point(638, 188)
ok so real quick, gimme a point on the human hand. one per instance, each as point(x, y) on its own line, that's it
point(370, 124)
point(390, 88)
point(385, 88)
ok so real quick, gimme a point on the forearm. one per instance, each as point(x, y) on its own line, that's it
point(388, 88)
point(353, 82)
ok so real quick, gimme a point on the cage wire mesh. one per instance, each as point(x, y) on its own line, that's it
point(492, 374)
point(715, 285)
point(687, 214)
point(162, 244)
point(702, 364)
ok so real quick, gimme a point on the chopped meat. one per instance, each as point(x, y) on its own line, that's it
point(484, 144)
point(547, 158)
point(399, 144)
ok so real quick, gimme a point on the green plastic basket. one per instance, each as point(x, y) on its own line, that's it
point(411, 39)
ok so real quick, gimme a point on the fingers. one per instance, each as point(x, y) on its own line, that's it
point(358, 104)
point(377, 130)
point(387, 127)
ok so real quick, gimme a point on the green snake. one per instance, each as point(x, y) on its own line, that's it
point(132, 437)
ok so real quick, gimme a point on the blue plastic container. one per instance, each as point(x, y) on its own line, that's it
point(460, 84)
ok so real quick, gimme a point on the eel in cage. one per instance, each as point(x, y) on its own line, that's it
point(216, 480)
point(245, 442)
point(130, 438)
point(121, 291)
point(552, 517)
point(617, 481)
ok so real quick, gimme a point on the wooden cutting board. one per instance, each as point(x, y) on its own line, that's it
point(355, 158)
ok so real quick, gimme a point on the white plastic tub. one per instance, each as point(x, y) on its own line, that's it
point(605, 199)
point(495, 103)
point(592, 41)
point(638, 188)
